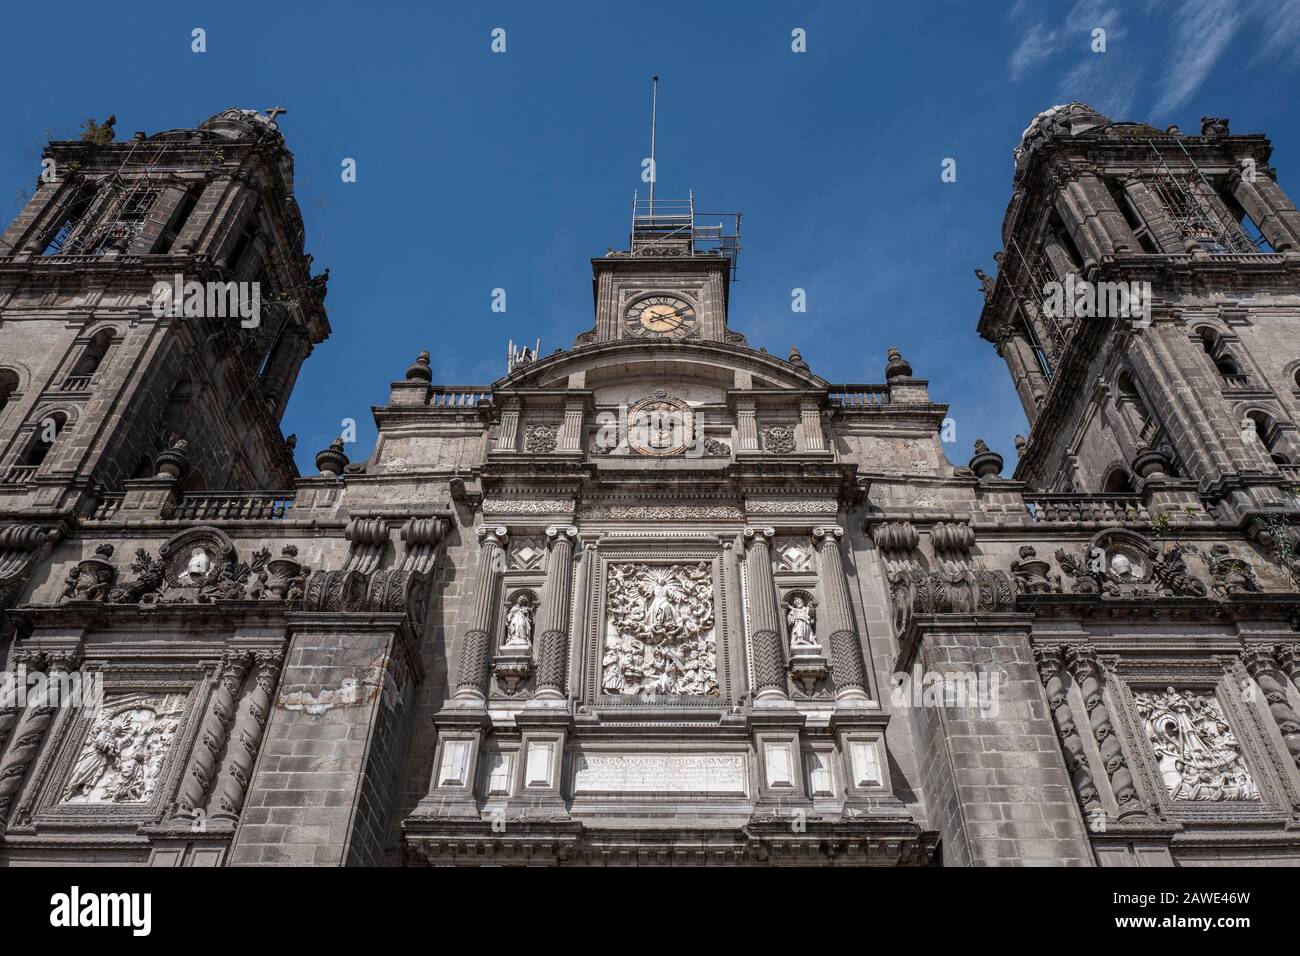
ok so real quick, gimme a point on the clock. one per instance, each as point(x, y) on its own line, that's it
point(660, 316)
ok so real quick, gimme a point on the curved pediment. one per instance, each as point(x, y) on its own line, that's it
point(704, 364)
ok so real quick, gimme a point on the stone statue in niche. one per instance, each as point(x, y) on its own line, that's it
point(1198, 755)
point(519, 624)
point(659, 633)
point(800, 618)
point(125, 750)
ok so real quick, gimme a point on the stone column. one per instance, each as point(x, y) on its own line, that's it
point(1076, 760)
point(1262, 664)
point(849, 668)
point(476, 645)
point(246, 738)
point(764, 628)
point(553, 617)
point(1026, 375)
point(1163, 232)
point(30, 729)
point(1272, 211)
point(164, 208)
point(1087, 671)
point(212, 735)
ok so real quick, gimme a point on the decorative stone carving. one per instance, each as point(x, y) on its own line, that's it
point(1122, 564)
point(792, 506)
point(952, 540)
point(794, 555)
point(526, 553)
point(367, 542)
point(779, 439)
point(716, 449)
point(659, 512)
point(1087, 673)
point(527, 506)
point(90, 580)
point(801, 617)
point(897, 542)
point(541, 439)
point(659, 633)
point(968, 591)
point(985, 463)
point(126, 746)
point(331, 461)
point(246, 738)
point(1050, 668)
point(519, 621)
point(1197, 752)
point(1034, 575)
point(1263, 664)
point(1229, 573)
point(660, 426)
point(202, 768)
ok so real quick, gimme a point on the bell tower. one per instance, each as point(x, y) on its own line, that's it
point(1145, 304)
point(673, 280)
point(100, 370)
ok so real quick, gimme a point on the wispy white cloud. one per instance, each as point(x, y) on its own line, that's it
point(1072, 37)
point(1203, 32)
point(1098, 83)
point(1280, 22)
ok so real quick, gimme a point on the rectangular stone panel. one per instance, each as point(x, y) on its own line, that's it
point(698, 773)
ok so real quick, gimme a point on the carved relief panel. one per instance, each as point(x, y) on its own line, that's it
point(659, 630)
point(121, 760)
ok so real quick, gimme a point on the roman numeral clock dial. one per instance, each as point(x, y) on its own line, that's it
point(660, 316)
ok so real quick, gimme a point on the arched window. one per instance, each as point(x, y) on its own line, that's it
point(92, 357)
point(48, 430)
point(1131, 404)
point(1296, 378)
point(1118, 482)
point(1219, 353)
point(8, 385)
point(1269, 435)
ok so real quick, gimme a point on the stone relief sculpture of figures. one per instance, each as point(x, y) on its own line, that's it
point(125, 750)
point(801, 618)
point(659, 637)
point(1198, 754)
point(519, 624)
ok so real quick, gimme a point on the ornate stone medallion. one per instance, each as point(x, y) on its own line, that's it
point(659, 635)
point(125, 749)
point(660, 426)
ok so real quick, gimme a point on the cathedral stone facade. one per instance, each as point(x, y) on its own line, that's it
point(661, 597)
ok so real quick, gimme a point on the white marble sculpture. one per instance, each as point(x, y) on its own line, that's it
point(519, 624)
point(659, 636)
point(801, 622)
point(1198, 755)
point(125, 750)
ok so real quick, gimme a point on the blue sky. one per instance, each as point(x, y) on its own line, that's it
point(479, 170)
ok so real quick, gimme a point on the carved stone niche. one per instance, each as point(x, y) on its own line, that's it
point(808, 665)
point(513, 663)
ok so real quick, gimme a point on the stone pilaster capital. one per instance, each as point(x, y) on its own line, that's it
point(1083, 662)
point(492, 535)
point(556, 533)
point(1048, 660)
point(1288, 655)
point(757, 535)
point(1259, 659)
point(827, 534)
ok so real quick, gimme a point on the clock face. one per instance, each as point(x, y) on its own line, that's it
point(660, 315)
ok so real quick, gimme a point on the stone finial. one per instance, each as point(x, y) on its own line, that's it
point(986, 463)
point(332, 460)
point(796, 359)
point(1152, 463)
point(898, 366)
point(172, 462)
point(1173, 130)
point(420, 371)
point(1021, 444)
point(291, 442)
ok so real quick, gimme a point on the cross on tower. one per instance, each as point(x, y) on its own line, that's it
point(275, 111)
